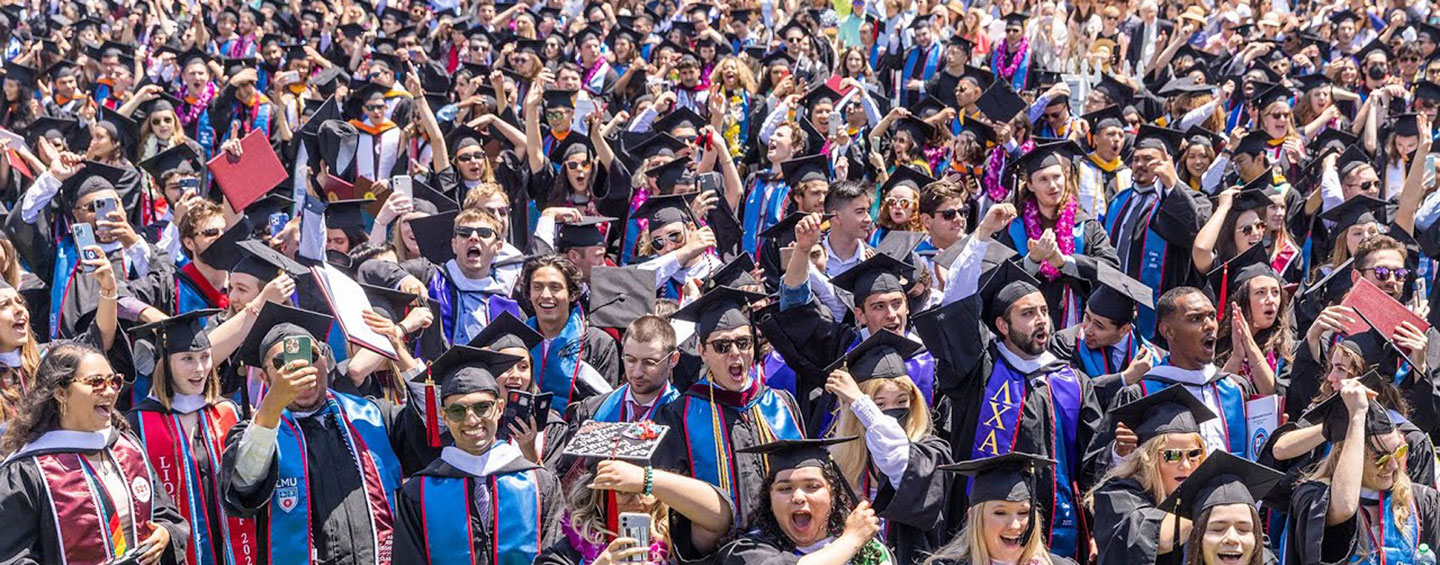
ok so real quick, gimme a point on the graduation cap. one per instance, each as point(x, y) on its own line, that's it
point(1226, 278)
point(1170, 411)
point(980, 77)
point(163, 101)
point(61, 69)
point(822, 93)
point(388, 301)
point(1003, 285)
point(1373, 46)
point(623, 32)
point(181, 158)
point(1037, 80)
point(786, 226)
point(735, 274)
point(1346, 15)
point(625, 441)
point(1183, 83)
point(1198, 135)
point(48, 127)
point(1334, 417)
point(342, 214)
point(1253, 143)
point(1046, 155)
point(900, 243)
point(20, 73)
point(121, 128)
point(619, 295)
point(264, 263)
point(659, 144)
point(1270, 95)
point(789, 454)
point(880, 356)
point(260, 210)
point(1107, 117)
point(1359, 209)
point(906, 176)
point(464, 369)
point(1222, 479)
point(225, 252)
point(779, 56)
point(1117, 295)
point(1334, 137)
point(880, 273)
point(560, 98)
point(807, 168)
point(179, 334)
point(570, 145)
point(438, 229)
point(1257, 194)
point(919, 129)
point(430, 201)
point(721, 309)
point(1405, 124)
point(277, 322)
point(582, 233)
point(1312, 81)
point(680, 117)
point(664, 209)
point(1118, 92)
point(1001, 478)
point(1016, 18)
point(982, 133)
point(507, 332)
point(92, 177)
point(1000, 103)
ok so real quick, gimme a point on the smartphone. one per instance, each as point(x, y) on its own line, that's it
point(403, 185)
point(277, 223)
point(84, 241)
point(517, 407)
point(288, 77)
point(189, 185)
point(636, 526)
point(835, 120)
point(540, 410)
point(297, 348)
point(708, 182)
point(103, 208)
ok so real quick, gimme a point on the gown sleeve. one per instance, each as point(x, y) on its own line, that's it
point(20, 510)
point(751, 551)
point(1127, 523)
point(1311, 541)
point(409, 544)
point(1427, 500)
point(921, 495)
point(240, 501)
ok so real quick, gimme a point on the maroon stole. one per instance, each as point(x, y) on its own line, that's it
point(171, 452)
point(76, 505)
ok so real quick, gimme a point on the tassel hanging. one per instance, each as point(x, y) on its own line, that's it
point(1224, 291)
point(432, 412)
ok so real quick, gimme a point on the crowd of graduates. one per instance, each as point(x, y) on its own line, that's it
point(979, 282)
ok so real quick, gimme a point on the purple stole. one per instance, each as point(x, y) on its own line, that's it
point(77, 507)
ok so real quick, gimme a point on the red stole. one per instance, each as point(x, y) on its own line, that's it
point(76, 506)
point(211, 294)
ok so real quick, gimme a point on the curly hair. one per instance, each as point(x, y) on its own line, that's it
point(841, 502)
point(586, 512)
point(39, 409)
point(559, 263)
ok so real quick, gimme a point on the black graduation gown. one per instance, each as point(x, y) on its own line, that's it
point(1064, 344)
point(1177, 269)
point(1311, 541)
point(743, 430)
point(1079, 278)
point(511, 173)
point(339, 514)
point(1127, 525)
point(809, 340)
point(914, 511)
point(208, 482)
point(681, 550)
point(30, 536)
point(965, 355)
point(410, 513)
point(759, 550)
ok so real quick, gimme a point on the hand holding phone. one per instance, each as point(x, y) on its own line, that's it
point(636, 526)
point(517, 408)
point(297, 348)
point(85, 243)
point(103, 208)
point(403, 184)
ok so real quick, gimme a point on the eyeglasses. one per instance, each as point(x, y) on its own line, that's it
point(464, 232)
point(949, 215)
point(483, 409)
point(577, 165)
point(674, 237)
point(1386, 273)
point(467, 157)
point(1409, 59)
point(1252, 228)
point(1175, 455)
point(1399, 453)
point(374, 107)
point(278, 361)
point(499, 211)
point(554, 114)
point(211, 232)
point(724, 345)
point(112, 380)
point(1054, 115)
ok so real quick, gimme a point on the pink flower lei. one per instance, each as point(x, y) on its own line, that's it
point(1007, 70)
point(591, 550)
point(1064, 232)
point(192, 111)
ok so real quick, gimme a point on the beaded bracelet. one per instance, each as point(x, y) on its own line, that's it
point(649, 479)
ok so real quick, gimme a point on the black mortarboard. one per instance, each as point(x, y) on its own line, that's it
point(430, 201)
point(906, 176)
point(181, 157)
point(46, 126)
point(1198, 135)
point(1405, 124)
point(658, 144)
point(1170, 411)
point(1118, 92)
point(342, 214)
point(664, 209)
point(786, 225)
point(880, 273)
point(1002, 285)
point(163, 101)
point(263, 262)
point(179, 334)
point(787, 454)
point(982, 132)
point(621, 31)
point(20, 73)
point(880, 356)
point(1333, 136)
point(1426, 90)
point(586, 232)
point(1000, 103)
point(1312, 81)
point(1046, 155)
point(1107, 117)
point(60, 69)
point(619, 295)
point(919, 129)
point(225, 251)
point(1037, 80)
point(823, 92)
point(1185, 84)
point(1016, 18)
point(1155, 137)
point(735, 274)
point(388, 301)
point(682, 116)
point(1344, 16)
point(506, 332)
point(1270, 95)
point(1429, 31)
point(1359, 209)
point(1254, 142)
point(439, 230)
point(900, 243)
point(277, 322)
point(465, 370)
point(570, 145)
point(531, 46)
point(93, 177)
point(721, 309)
point(1257, 194)
point(1117, 295)
point(1251, 263)
point(808, 168)
point(1375, 45)
point(560, 98)
point(779, 56)
point(979, 76)
point(1002, 478)
point(124, 129)
point(1334, 416)
point(1222, 479)
point(260, 210)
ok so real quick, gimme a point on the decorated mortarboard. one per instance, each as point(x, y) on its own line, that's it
point(341, 214)
point(619, 295)
point(1117, 295)
point(585, 232)
point(789, 454)
point(664, 209)
point(277, 322)
point(879, 274)
point(626, 441)
point(1002, 478)
point(438, 229)
point(1107, 117)
point(1358, 209)
point(1334, 418)
point(880, 356)
point(1221, 480)
point(804, 169)
point(681, 116)
point(735, 274)
point(178, 334)
point(1045, 155)
point(181, 158)
point(1225, 279)
point(721, 309)
point(506, 332)
point(1173, 410)
point(1000, 103)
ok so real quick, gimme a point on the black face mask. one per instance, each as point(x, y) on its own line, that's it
point(899, 414)
point(1375, 72)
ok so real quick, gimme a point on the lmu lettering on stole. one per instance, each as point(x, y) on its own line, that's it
point(1000, 403)
point(287, 492)
point(167, 478)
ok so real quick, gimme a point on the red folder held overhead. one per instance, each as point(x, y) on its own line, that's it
point(1380, 309)
point(245, 179)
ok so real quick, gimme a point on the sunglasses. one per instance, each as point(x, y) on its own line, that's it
point(1175, 455)
point(1054, 115)
point(483, 409)
point(554, 115)
point(723, 345)
point(1252, 228)
point(162, 120)
point(906, 202)
point(112, 380)
point(659, 242)
point(1370, 185)
point(464, 232)
point(1013, 30)
point(1409, 59)
point(949, 215)
point(1278, 115)
point(468, 157)
point(1386, 273)
point(1399, 453)
point(577, 165)
point(211, 232)
point(374, 107)
point(278, 361)
point(499, 211)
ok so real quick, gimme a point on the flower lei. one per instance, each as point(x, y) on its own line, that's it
point(871, 554)
point(591, 550)
point(192, 111)
point(995, 189)
point(737, 109)
point(1007, 70)
point(1064, 232)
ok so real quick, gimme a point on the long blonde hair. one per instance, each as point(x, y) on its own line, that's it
point(854, 456)
point(1143, 467)
point(1401, 492)
point(587, 517)
point(969, 544)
